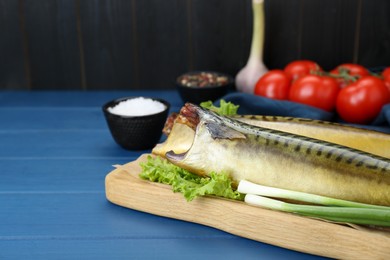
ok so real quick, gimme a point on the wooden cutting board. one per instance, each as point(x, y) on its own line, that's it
point(125, 188)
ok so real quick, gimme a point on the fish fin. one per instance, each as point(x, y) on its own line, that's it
point(220, 131)
point(172, 156)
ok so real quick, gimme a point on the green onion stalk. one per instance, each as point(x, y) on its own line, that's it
point(331, 209)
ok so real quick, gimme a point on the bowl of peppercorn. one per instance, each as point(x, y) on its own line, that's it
point(199, 86)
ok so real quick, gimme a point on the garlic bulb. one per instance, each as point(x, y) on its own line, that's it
point(247, 77)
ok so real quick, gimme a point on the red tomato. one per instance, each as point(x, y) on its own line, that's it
point(353, 69)
point(316, 91)
point(361, 101)
point(274, 84)
point(299, 68)
point(386, 77)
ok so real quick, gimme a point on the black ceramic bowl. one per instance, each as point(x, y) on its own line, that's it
point(136, 132)
point(194, 93)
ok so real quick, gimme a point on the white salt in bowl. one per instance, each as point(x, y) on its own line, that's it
point(136, 123)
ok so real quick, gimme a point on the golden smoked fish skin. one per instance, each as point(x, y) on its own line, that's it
point(361, 139)
point(279, 159)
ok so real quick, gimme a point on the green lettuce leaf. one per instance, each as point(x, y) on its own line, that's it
point(191, 185)
point(225, 108)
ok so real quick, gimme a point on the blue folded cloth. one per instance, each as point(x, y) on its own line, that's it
point(257, 105)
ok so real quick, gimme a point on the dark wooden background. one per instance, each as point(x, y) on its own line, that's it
point(133, 44)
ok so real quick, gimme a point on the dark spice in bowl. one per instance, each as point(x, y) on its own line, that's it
point(203, 79)
point(200, 86)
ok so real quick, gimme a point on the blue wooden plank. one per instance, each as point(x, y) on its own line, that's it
point(33, 118)
point(146, 248)
point(85, 215)
point(56, 175)
point(49, 144)
point(84, 225)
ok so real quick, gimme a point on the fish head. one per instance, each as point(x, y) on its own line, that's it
point(209, 130)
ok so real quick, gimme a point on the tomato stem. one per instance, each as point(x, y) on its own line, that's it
point(343, 73)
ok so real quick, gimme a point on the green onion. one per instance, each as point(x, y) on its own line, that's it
point(327, 208)
point(365, 216)
point(247, 187)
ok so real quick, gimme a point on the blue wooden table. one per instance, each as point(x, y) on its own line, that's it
point(55, 151)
